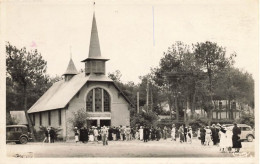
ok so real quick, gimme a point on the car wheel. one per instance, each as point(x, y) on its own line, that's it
point(23, 140)
point(250, 138)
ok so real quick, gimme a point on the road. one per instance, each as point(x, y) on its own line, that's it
point(162, 148)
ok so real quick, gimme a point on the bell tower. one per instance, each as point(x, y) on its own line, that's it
point(95, 63)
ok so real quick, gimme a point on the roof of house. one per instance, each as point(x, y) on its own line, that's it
point(61, 92)
point(19, 117)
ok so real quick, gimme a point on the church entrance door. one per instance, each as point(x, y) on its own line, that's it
point(105, 122)
point(91, 123)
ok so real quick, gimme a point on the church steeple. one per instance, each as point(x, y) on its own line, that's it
point(71, 70)
point(95, 63)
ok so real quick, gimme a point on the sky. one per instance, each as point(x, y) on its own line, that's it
point(132, 34)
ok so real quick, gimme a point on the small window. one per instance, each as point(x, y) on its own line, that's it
point(59, 116)
point(33, 120)
point(19, 129)
point(49, 117)
point(220, 105)
point(40, 119)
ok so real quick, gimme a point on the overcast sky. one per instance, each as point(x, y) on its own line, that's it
point(126, 30)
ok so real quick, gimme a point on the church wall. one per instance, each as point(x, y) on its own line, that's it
point(120, 115)
point(54, 121)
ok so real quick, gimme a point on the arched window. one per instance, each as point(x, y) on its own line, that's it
point(98, 100)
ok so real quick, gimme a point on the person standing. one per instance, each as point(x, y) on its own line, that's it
point(208, 135)
point(104, 133)
point(190, 134)
point(47, 132)
point(118, 133)
point(165, 132)
point(137, 133)
point(173, 133)
point(214, 134)
point(141, 133)
point(229, 139)
point(76, 135)
point(83, 134)
point(181, 134)
point(146, 133)
point(153, 133)
point(114, 133)
point(185, 132)
point(122, 133)
point(91, 134)
point(127, 133)
point(236, 138)
point(110, 132)
point(202, 135)
point(223, 139)
point(95, 131)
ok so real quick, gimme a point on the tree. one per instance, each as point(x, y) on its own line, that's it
point(79, 118)
point(178, 76)
point(213, 59)
point(115, 76)
point(25, 71)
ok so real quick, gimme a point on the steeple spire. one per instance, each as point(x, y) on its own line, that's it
point(95, 63)
point(94, 47)
point(71, 69)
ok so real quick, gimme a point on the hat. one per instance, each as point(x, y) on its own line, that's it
point(218, 124)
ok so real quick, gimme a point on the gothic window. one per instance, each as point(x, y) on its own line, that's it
point(98, 100)
point(106, 102)
point(90, 101)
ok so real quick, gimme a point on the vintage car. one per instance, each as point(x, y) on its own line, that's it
point(18, 134)
point(247, 133)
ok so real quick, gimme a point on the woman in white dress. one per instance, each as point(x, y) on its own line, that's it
point(173, 133)
point(223, 139)
point(229, 139)
point(141, 133)
point(189, 135)
point(208, 136)
point(91, 134)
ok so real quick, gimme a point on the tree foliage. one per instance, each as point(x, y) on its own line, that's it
point(79, 118)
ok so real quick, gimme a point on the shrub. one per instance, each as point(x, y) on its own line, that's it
point(40, 135)
point(144, 118)
point(247, 118)
point(79, 118)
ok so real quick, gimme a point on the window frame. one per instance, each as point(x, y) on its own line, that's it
point(102, 102)
point(49, 118)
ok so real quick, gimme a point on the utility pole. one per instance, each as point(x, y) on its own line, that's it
point(147, 95)
point(137, 102)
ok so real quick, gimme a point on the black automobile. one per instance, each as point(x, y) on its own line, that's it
point(18, 134)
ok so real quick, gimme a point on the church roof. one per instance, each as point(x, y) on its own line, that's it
point(71, 69)
point(94, 46)
point(61, 92)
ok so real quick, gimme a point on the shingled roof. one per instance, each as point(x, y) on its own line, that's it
point(61, 92)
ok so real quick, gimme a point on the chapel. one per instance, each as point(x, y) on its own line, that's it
point(90, 90)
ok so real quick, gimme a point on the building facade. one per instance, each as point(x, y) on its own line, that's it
point(91, 91)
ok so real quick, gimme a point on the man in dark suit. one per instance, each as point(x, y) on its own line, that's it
point(185, 133)
point(146, 133)
point(52, 135)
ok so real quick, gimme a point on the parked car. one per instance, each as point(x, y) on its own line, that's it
point(18, 134)
point(247, 133)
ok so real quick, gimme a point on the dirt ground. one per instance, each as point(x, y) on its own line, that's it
point(162, 148)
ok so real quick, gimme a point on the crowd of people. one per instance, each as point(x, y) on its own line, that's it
point(224, 137)
point(123, 133)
